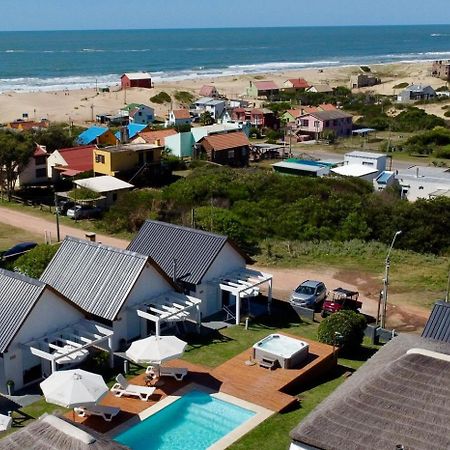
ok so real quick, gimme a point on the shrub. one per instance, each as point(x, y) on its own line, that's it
point(83, 194)
point(401, 86)
point(162, 97)
point(184, 97)
point(349, 324)
point(34, 262)
point(443, 152)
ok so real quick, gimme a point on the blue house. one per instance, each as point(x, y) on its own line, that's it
point(132, 131)
point(96, 135)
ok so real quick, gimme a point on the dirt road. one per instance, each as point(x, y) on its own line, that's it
point(39, 226)
point(400, 317)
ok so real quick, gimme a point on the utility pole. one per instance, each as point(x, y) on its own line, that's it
point(58, 236)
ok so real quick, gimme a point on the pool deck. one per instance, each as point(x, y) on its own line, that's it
point(270, 389)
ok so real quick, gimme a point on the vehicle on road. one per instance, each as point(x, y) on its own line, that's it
point(17, 250)
point(341, 299)
point(309, 294)
point(83, 212)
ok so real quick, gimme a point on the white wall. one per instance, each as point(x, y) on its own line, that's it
point(54, 159)
point(369, 161)
point(50, 314)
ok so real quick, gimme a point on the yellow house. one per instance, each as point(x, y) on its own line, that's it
point(125, 158)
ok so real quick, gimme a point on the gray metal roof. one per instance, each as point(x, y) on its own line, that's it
point(193, 250)
point(18, 295)
point(94, 276)
point(438, 324)
point(328, 115)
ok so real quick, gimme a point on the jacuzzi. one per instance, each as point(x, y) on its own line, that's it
point(289, 352)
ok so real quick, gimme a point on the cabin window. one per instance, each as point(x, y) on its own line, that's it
point(304, 122)
point(100, 159)
point(230, 154)
point(41, 173)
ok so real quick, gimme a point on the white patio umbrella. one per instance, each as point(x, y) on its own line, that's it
point(155, 349)
point(70, 388)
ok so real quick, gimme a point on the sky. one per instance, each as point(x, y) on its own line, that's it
point(144, 14)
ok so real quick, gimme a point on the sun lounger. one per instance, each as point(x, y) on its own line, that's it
point(107, 412)
point(5, 422)
point(122, 387)
point(176, 372)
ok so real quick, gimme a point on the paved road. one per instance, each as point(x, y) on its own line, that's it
point(39, 226)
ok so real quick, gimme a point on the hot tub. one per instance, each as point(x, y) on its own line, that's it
point(289, 352)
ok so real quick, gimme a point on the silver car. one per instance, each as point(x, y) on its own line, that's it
point(310, 294)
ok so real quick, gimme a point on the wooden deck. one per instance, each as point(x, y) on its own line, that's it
point(267, 388)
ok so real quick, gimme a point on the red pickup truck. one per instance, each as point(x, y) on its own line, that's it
point(340, 300)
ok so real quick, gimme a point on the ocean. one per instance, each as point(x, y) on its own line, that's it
point(55, 60)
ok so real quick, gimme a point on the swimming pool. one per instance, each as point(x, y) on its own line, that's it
point(195, 421)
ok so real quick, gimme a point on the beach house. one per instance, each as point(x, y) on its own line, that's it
point(416, 92)
point(34, 172)
point(315, 123)
point(441, 69)
point(179, 117)
point(156, 137)
point(125, 160)
point(320, 89)
point(96, 135)
point(363, 80)
point(208, 90)
point(230, 149)
point(264, 118)
point(267, 89)
point(136, 80)
point(208, 266)
point(295, 84)
point(40, 330)
point(69, 162)
point(138, 113)
point(121, 289)
point(211, 105)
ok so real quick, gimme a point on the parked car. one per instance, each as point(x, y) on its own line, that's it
point(64, 206)
point(83, 212)
point(310, 294)
point(341, 299)
point(17, 250)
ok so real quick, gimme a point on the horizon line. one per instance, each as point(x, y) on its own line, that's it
point(225, 27)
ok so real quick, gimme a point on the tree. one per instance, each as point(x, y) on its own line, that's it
point(343, 328)
point(34, 262)
point(206, 118)
point(15, 151)
point(55, 137)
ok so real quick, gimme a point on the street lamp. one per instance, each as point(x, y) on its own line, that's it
point(386, 280)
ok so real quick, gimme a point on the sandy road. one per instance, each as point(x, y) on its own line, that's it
point(39, 226)
point(400, 317)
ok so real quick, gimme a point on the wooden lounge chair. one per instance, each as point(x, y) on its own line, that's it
point(5, 422)
point(176, 372)
point(122, 387)
point(107, 412)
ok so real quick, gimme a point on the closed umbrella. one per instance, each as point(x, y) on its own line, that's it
point(70, 388)
point(156, 349)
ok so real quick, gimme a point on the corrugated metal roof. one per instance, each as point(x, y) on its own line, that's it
point(18, 295)
point(266, 86)
point(330, 115)
point(78, 158)
point(94, 276)
point(438, 324)
point(193, 250)
point(90, 135)
point(137, 75)
point(104, 183)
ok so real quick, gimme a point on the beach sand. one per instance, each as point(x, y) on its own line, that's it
point(80, 106)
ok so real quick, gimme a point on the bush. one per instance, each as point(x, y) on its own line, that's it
point(401, 86)
point(443, 152)
point(162, 97)
point(34, 262)
point(349, 324)
point(184, 97)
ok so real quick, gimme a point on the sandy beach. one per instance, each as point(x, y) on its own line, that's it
point(80, 106)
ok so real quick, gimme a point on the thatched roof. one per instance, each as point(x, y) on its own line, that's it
point(54, 433)
point(394, 399)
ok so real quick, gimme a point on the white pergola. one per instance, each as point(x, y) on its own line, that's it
point(70, 344)
point(170, 307)
point(244, 283)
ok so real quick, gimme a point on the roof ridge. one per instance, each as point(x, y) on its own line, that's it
point(22, 277)
point(106, 247)
point(189, 229)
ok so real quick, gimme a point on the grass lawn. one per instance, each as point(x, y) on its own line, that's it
point(11, 235)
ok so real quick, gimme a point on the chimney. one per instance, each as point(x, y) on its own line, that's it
point(124, 135)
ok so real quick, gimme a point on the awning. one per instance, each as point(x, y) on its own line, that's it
point(69, 172)
point(70, 345)
point(170, 307)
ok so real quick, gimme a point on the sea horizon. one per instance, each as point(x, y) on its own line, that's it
point(75, 59)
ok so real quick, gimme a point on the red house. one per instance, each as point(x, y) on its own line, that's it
point(240, 114)
point(138, 79)
point(264, 118)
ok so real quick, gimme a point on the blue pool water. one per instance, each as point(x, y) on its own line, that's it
point(193, 422)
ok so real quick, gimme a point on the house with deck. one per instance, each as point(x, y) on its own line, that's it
point(416, 92)
point(69, 162)
point(264, 118)
point(138, 113)
point(136, 80)
point(124, 290)
point(179, 117)
point(213, 106)
point(230, 149)
point(394, 401)
point(40, 330)
point(205, 265)
point(315, 123)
